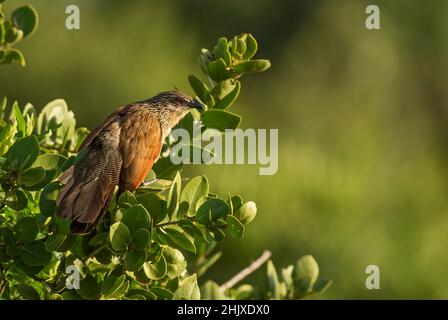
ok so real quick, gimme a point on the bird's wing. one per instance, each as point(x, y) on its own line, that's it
point(119, 112)
point(140, 145)
point(90, 183)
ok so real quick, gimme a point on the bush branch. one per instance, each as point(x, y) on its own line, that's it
point(247, 271)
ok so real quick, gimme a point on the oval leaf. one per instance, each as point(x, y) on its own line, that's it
point(119, 236)
point(220, 119)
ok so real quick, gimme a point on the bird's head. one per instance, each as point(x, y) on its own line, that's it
point(176, 101)
point(172, 106)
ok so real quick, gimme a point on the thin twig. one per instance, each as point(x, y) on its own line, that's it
point(247, 271)
point(4, 282)
point(164, 224)
point(42, 281)
point(97, 250)
point(174, 222)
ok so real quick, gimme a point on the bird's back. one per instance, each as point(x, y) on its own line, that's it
point(120, 152)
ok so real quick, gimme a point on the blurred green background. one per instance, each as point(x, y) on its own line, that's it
point(362, 118)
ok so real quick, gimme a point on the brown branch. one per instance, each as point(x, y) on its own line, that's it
point(171, 223)
point(4, 282)
point(247, 271)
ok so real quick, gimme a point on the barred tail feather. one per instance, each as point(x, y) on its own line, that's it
point(88, 188)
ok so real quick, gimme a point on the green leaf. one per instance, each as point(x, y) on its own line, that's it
point(165, 169)
point(56, 117)
point(273, 282)
point(244, 292)
point(157, 270)
point(230, 98)
point(54, 242)
point(187, 123)
point(141, 239)
point(321, 286)
point(204, 59)
point(217, 70)
point(13, 34)
point(26, 18)
point(121, 292)
point(305, 273)
point(78, 138)
point(70, 295)
point(134, 260)
point(31, 177)
point(8, 235)
point(27, 230)
point(152, 204)
point(221, 50)
point(223, 88)
point(252, 66)
point(157, 185)
point(30, 115)
point(195, 231)
point(89, 288)
point(251, 47)
point(47, 201)
point(236, 203)
point(212, 210)
point(176, 239)
point(175, 262)
point(234, 227)
point(50, 161)
point(136, 217)
point(216, 233)
point(148, 295)
point(2, 32)
point(34, 254)
point(24, 152)
point(16, 200)
point(188, 289)
point(211, 291)
point(98, 239)
point(193, 191)
point(21, 125)
point(172, 202)
point(247, 212)
point(162, 293)
point(119, 236)
point(150, 176)
point(220, 119)
point(201, 90)
point(7, 136)
point(111, 285)
point(28, 292)
point(241, 45)
point(126, 200)
point(52, 164)
point(13, 56)
point(287, 276)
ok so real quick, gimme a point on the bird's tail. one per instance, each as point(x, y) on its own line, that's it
point(88, 188)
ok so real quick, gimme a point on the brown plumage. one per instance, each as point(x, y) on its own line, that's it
point(120, 151)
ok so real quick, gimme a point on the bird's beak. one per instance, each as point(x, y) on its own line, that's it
point(196, 105)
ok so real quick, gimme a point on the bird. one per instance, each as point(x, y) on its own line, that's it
point(119, 152)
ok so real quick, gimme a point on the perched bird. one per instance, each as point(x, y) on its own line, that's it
point(120, 151)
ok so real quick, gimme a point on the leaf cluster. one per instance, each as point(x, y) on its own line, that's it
point(21, 24)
